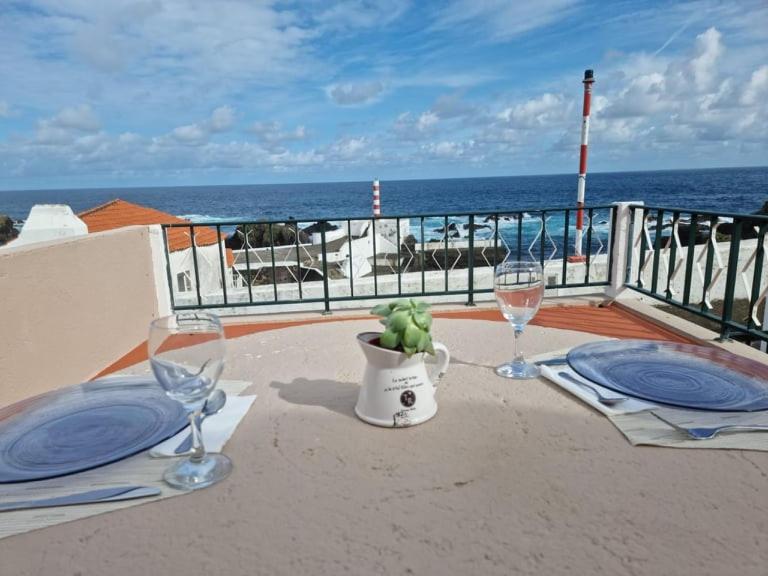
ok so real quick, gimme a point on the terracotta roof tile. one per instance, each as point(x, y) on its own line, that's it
point(119, 213)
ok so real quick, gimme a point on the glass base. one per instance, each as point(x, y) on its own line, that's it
point(188, 475)
point(518, 370)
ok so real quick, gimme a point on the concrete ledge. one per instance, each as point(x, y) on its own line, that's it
point(643, 308)
point(71, 307)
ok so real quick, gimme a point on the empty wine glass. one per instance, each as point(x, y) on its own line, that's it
point(186, 352)
point(519, 289)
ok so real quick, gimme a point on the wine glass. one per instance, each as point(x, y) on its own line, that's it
point(519, 288)
point(186, 352)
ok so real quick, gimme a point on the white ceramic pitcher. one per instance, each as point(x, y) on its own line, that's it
point(398, 391)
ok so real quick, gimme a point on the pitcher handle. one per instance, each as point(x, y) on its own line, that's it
point(441, 366)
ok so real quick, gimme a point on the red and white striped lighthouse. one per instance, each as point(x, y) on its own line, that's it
point(376, 199)
point(588, 80)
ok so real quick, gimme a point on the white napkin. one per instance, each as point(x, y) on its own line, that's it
point(635, 420)
point(217, 429)
point(627, 407)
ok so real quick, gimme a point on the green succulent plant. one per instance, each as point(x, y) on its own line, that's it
point(407, 326)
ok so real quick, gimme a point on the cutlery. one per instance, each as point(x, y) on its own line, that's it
point(607, 400)
point(552, 361)
point(90, 497)
point(213, 405)
point(708, 432)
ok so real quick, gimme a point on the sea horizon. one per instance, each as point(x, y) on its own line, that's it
point(739, 189)
point(356, 181)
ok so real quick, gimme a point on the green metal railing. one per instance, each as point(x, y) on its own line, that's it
point(684, 250)
point(408, 266)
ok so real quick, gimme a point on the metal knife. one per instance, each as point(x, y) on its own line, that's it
point(113, 494)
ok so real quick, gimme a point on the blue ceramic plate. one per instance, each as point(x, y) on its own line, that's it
point(704, 378)
point(84, 426)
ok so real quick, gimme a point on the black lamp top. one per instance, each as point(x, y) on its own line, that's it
point(589, 74)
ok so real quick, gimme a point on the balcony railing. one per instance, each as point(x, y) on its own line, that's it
point(702, 262)
point(363, 258)
point(626, 246)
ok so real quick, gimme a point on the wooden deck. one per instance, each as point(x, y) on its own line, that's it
point(608, 321)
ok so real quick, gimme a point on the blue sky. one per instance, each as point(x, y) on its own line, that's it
point(185, 92)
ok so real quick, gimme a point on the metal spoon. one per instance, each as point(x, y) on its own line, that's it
point(607, 400)
point(213, 405)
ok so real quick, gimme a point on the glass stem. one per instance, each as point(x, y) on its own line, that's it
point(518, 353)
point(198, 450)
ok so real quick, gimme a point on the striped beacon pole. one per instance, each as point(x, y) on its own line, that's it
point(376, 199)
point(589, 78)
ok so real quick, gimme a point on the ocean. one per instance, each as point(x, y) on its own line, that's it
point(724, 190)
point(727, 190)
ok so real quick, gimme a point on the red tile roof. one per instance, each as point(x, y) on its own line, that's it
point(119, 213)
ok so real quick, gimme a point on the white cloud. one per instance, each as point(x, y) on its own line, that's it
point(166, 83)
point(65, 126)
point(351, 94)
point(446, 149)
point(80, 118)
point(190, 134)
point(221, 119)
point(426, 121)
point(756, 91)
point(406, 127)
point(644, 95)
point(708, 51)
point(546, 110)
point(349, 148)
point(274, 138)
point(356, 14)
point(501, 19)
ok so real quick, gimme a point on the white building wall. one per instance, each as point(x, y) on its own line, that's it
point(208, 268)
point(47, 222)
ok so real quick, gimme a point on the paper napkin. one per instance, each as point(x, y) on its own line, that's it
point(217, 429)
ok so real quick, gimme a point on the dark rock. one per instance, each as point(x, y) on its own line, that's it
point(476, 226)
point(319, 227)
point(451, 228)
point(409, 244)
point(7, 231)
point(724, 231)
point(259, 237)
point(684, 231)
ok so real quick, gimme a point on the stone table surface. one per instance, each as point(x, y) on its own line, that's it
point(509, 478)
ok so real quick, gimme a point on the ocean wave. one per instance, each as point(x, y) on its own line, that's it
point(209, 218)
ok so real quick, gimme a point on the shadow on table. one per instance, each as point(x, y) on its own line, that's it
point(455, 360)
point(339, 397)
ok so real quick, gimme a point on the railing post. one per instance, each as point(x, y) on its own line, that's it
point(324, 252)
point(168, 265)
point(194, 261)
point(221, 265)
point(296, 232)
point(730, 280)
point(471, 263)
point(764, 345)
point(622, 244)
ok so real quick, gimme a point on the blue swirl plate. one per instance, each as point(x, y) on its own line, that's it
point(84, 426)
point(683, 375)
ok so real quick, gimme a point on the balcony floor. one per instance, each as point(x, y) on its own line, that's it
point(609, 321)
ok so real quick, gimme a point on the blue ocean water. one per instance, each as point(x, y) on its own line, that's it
point(728, 189)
